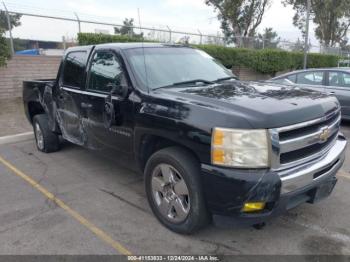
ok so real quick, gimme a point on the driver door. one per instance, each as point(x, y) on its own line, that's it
point(106, 73)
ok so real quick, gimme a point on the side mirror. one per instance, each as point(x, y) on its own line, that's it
point(111, 108)
point(119, 91)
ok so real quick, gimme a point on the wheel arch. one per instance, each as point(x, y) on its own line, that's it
point(35, 108)
point(148, 144)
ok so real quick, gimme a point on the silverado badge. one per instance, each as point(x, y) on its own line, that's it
point(324, 134)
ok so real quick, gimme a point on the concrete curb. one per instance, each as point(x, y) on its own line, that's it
point(16, 138)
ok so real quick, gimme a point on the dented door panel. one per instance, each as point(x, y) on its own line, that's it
point(69, 116)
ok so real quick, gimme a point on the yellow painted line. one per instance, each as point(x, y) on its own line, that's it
point(94, 229)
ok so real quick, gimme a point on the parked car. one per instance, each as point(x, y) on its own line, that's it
point(332, 80)
point(209, 146)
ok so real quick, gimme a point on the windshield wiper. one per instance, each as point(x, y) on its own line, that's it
point(194, 81)
point(225, 78)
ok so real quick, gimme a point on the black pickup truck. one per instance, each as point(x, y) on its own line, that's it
point(209, 145)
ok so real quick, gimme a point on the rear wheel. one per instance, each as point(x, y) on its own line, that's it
point(174, 190)
point(46, 140)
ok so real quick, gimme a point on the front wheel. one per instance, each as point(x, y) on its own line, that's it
point(174, 191)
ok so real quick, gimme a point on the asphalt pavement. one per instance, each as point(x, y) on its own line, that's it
point(77, 201)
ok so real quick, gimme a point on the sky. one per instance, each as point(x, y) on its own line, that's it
point(182, 15)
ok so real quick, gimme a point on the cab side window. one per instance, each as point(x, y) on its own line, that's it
point(310, 78)
point(346, 79)
point(106, 72)
point(292, 78)
point(339, 79)
point(74, 69)
point(289, 79)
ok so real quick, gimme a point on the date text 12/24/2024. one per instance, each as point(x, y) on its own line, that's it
point(174, 258)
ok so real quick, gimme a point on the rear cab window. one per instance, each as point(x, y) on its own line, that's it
point(74, 69)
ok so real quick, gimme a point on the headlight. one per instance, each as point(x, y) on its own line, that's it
point(240, 148)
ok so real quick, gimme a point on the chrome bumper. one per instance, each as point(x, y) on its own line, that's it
point(312, 172)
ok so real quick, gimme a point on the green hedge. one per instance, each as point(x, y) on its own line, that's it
point(94, 39)
point(266, 61)
point(4, 50)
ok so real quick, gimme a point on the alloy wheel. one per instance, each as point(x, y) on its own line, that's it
point(39, 136)
point(170, 193)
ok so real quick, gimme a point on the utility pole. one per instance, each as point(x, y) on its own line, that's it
point(169, 33)
point(64, 43)
point(9, 26)
point(306, 44)
point(78, 20)
point(201, 36)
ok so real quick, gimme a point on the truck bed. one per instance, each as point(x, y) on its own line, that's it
point(33, 93)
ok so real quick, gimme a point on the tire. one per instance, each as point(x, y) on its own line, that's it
point(46, 140)
point(180, 210)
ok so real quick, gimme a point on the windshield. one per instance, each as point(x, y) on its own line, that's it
point(168, 65)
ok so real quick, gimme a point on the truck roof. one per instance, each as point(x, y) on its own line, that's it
point(125, 46)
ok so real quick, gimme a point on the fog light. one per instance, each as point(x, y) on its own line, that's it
point(253, 206)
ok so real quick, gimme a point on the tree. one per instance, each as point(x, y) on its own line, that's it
point(239, 18)
point(270, 38)
point(4, 49)
point(127, 28)
point(331, 17)
point(184, 40)
point(14, 20)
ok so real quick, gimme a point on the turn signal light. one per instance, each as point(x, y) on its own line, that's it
point(218, 137)
point(253, 206)
point(218, 156)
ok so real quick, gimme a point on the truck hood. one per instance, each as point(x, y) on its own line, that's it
point(262, 104)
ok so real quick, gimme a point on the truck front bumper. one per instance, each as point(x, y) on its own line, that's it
point(227, 190)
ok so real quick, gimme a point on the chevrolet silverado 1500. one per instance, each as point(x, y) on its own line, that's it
point(209, 145)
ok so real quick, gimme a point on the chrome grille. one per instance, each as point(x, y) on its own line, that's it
point(299, 143)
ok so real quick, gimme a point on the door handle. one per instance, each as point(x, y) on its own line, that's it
point(86, 105)
point(332, 92)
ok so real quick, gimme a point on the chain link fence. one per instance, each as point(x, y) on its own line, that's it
point(61, 29)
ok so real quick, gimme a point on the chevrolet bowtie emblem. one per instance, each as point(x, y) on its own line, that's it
point(324, 134)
